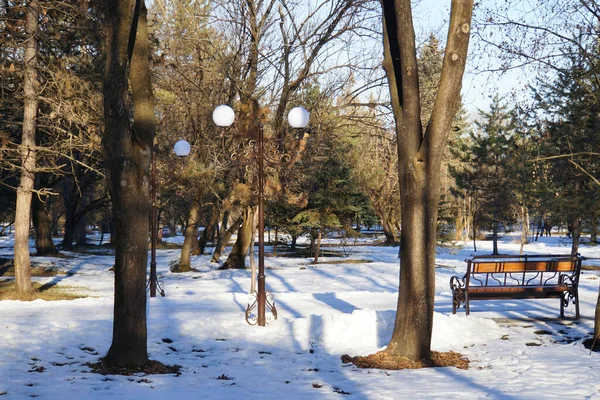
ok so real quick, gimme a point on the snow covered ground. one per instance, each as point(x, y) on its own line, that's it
point(518, 349)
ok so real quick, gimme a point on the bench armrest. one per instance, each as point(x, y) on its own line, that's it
point(567, 279)
point(457, 283)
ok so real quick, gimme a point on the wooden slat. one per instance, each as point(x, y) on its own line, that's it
point(528, 266)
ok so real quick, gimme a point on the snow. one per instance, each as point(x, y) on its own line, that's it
point(518, 349)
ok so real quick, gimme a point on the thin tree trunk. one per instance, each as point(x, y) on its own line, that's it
point(524, 227)
point(597, 319)
point(318, 247)
point(28, 153)
point(576, 235)
point(253, 268)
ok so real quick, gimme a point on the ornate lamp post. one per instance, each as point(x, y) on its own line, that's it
point(224, 116)
point(181, 149)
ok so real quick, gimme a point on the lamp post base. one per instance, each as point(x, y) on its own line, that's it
point(251, 317)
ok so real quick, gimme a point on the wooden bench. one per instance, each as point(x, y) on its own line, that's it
point(518, 277)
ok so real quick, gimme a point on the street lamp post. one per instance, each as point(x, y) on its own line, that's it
point(181, 149)
point(224, 116)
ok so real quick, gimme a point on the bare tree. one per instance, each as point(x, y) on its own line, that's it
point(419, 159)
point(28, 152)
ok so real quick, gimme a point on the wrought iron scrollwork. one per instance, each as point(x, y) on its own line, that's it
point(160, 284)
point(251, 317)
point(457, 285)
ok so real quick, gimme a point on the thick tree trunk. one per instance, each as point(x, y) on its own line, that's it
point(42, 224)
point(419, 162)
point(28, 153)
point(189, 238)
point(127, 152)
point(237, 256)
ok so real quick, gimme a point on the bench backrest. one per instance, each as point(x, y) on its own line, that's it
point(522, 270)
point(524, 266)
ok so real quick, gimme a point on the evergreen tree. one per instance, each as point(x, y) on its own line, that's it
point(483, 177)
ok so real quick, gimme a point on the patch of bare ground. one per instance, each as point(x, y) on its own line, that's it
point(382, 360)
point(592, 344)
point(44, 292)
point(7, 268)
point(151, 368)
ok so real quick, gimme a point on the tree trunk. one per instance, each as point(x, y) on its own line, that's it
point(69, 229)
point(318, 247)
point(576, 235)
point(389, 231)
point(28, 153)
point(419, 162)
point(237, 256)
point(224, 237)
point(209, 230)
point(189, 237)
point(42, 224)
point(524, 227)
point(81, 232)
point(594, 231)
point(293, 243)
point(495, 225)
point(597, 319)
point(253, 267)
point(127, 153)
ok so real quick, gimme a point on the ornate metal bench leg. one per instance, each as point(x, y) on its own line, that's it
point(467, 310)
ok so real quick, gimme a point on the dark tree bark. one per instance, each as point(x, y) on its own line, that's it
point(127, 153)
point(576, 224)
point(419, 160)
point(81, 233)
point(28, 152)
point(42, 223)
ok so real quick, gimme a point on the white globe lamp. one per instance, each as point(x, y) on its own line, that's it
point(223, 115)
point(298, 117)
point(182, 148)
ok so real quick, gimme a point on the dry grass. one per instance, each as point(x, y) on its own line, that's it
point(382, 360)
point(43, 292)
point(7, 268)
point(351, 261)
